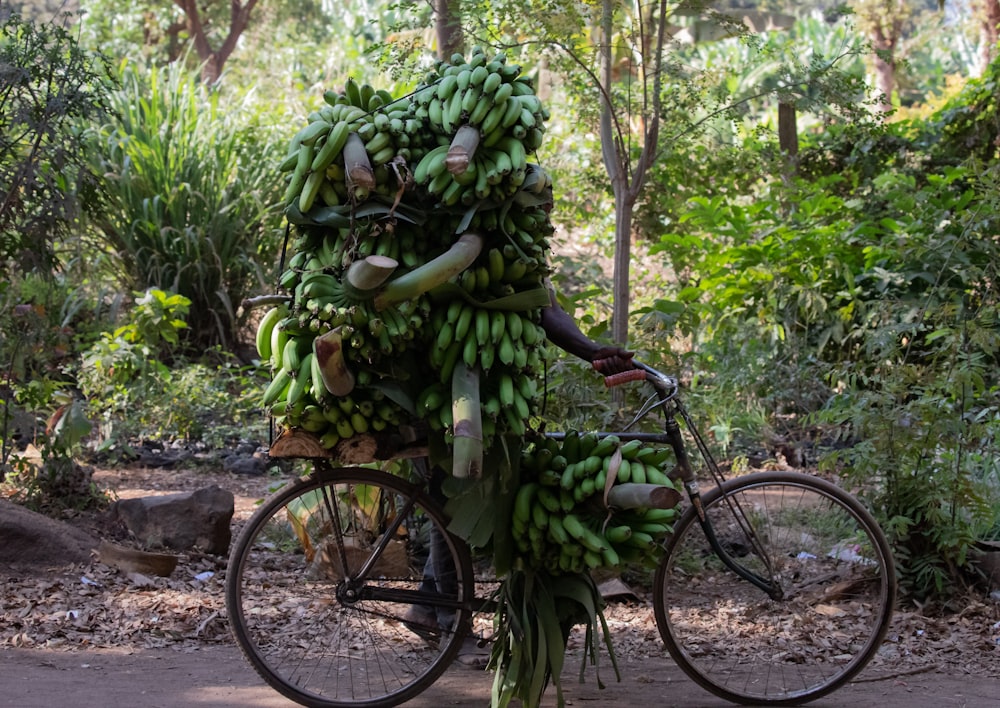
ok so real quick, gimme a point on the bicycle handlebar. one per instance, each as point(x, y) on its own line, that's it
point(612, 380)
point(642, 372)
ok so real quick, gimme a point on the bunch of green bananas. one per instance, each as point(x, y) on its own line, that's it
point(491, 323)
point(359, 186)
point(492, 97)
point(298, 398)
point(560, 522)
point(343, 153)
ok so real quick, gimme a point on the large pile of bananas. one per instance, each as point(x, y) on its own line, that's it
point(419, 253)
point(562, 520)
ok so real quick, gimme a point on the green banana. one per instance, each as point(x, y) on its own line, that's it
point(506, 352)
point(478, 112)
point(478, 76)
point(482, 327)
point(450, 358)
point(446, 87)
point(265, 326)
point(463, 323)
point(291, 357)
point(310, 190)
point(299, 175)
point(491, 123)
point(470, 351)
point(279, 340)
point(353, 92)
point(470, 97)
point(464, 78)
point(506, 389)
point(498, 326)
point(378, 142)
point(432, 159)
point(503, 93)
point(278, 385)
point(332, 146)
point(491, 83)
point(311, 132)
point(524, 500)
point(453, 312)
point(301, 381)
point(515, 326)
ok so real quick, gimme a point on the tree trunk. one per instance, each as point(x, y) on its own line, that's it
point(623, 259)
point(627, 183)
point(788, 141)
point(448, 27)
point(989, 31)
point(212, 60)
point(885, 67)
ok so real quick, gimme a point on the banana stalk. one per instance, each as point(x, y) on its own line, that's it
point(357, 163)
point(467, 460)
point(433, 273)
point(462, 149)
point(329, 351)
point(629, 495)
point(370, 273)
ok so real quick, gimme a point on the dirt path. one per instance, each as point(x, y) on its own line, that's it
point(218, 677)
point(88, 636)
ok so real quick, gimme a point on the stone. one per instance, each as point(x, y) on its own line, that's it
point(198, 520)
point(988, 560)
point(31, 542)
point(247, 465)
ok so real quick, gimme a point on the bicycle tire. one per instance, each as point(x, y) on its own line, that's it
point(836, 569)
point(322, 639)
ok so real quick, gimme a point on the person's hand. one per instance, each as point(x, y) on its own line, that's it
point(611, 360)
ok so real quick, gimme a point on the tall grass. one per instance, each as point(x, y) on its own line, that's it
point(191, 182)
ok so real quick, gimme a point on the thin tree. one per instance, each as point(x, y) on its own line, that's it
point(627, 179)
point(448, 27)
point(212, 59)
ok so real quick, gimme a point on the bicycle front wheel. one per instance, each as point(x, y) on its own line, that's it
point(329, 595)
point(832, 565)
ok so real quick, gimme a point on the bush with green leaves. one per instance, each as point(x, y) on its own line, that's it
point(920, 404)
point(48, 85)
point(192, 187)
point(117, 370)
point(140, 386)
point(41, 324)
point(860, 301)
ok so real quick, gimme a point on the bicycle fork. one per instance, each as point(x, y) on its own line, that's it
point(685, 473)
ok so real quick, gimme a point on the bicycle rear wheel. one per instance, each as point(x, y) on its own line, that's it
point(832, 563)
point(327, 596)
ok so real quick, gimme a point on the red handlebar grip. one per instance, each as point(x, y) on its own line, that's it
point(624, 377)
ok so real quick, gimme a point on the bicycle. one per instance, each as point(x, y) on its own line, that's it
point(322, 579)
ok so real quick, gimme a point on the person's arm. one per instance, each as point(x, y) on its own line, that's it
point(562, 330)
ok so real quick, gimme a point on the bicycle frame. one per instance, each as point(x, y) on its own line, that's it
point(741, 560)
point(667, 391)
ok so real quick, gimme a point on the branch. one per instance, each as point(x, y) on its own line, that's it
point(649, 143)
point(239, 18)
point(747, 99)
point(201, 45)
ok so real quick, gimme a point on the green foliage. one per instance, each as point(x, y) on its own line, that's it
point(858, 303)
point(47, 85)
point(921, 400)
point(39, 329)
point(191, 199)
point(42, 423)
point(150, 335)
point(139, 387)
point(118, 367)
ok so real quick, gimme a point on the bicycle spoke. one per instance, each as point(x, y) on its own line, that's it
point(323, 580)
point(828, 557)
